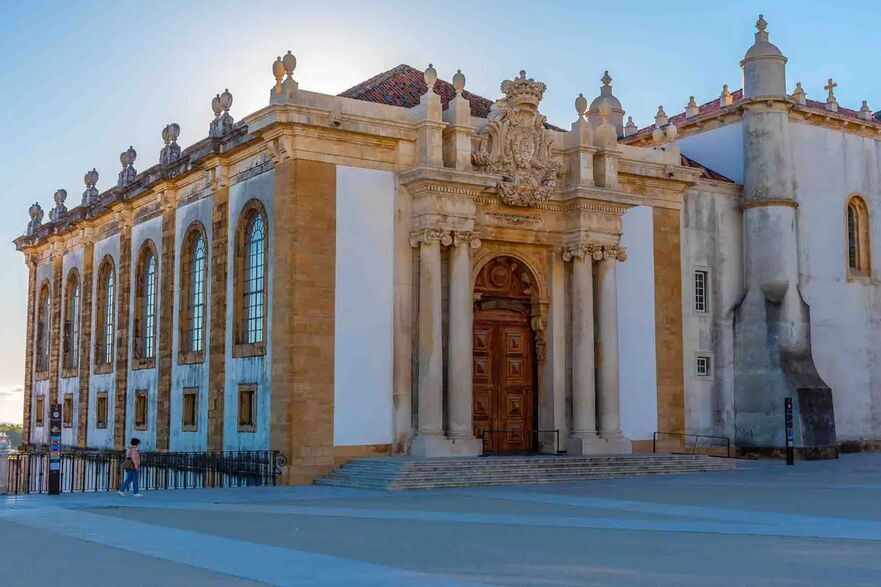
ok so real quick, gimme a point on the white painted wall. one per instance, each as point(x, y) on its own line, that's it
point(830, 166)
point(105, 382)
point(41, 388)
point(250, 370)
point(72, 261)
point(364, 307)
point(636, 327)
point(720, 149)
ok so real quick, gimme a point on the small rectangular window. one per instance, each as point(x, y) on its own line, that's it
point(101, 410)
point(247, 408)
point(702, 366)
point(700, 291)
point(189, 409)
point(141, 409)
point(39, 409)
point(67, 411)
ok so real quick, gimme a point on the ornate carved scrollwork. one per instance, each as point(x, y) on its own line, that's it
point(597, 252)
point(430, 234)
point(516, 145)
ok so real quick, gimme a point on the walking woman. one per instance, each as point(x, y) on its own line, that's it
point(131, 466)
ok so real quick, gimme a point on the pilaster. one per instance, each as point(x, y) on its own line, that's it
point(55, 322)
point(168, 205)
point(29, 349)
point(217, 326)
point(124, 278)
point(85, 341)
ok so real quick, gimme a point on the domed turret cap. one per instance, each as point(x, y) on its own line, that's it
point(762, 47)
point(606, 94)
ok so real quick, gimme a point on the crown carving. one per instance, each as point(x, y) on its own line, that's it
point(515, 144)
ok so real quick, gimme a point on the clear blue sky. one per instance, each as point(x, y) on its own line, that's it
point(81, 81)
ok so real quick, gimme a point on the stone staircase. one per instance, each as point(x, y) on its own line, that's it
point(415, 473)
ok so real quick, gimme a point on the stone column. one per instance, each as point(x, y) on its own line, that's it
point(430, 440)
point(608, 390)
point(584, 439)
point(460, 354)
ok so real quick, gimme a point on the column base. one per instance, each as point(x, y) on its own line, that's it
point(431, 446)
point(598, 445)
point(466, 447)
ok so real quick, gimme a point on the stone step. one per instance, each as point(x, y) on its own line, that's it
point(411, 473)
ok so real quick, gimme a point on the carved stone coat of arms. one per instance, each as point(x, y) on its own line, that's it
point(515, 144)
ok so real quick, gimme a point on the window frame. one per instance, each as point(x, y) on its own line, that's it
point(141, 410)
point(194, 425)
point(242, 348)
point(186, 353)
point(145, 316)
point(72, 330)
point(43, 335)
point(67, 411)
point(249, 389)
point(39, 410)
point(105, 310)
point(696, 301)
point(101, 410)
point(857, 238)
point(707, 358)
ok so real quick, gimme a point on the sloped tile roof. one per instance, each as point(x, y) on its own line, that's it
point(708, 108)
point(706, 172)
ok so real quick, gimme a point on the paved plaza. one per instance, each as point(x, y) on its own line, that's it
point(764, 524)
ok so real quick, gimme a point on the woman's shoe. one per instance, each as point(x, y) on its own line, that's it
point(121, 493)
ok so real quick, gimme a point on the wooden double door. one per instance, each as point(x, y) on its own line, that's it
point(504, 378)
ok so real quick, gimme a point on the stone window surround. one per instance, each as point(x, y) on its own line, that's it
point(101, 399)
point(194, 393)
point(703, 356)
point(857, 205)
point(243, 349)
point(187, 357)
point(39, 410)
point(106, 265)
point(67, 411)
point(707, 277)
point(70, 361)
point(41, 365)
point(251, 426)
point(138, 361)
point(142, 404)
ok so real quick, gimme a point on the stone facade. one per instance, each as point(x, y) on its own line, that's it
point(334, 313)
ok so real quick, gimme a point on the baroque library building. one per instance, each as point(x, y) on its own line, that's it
point(410, 268)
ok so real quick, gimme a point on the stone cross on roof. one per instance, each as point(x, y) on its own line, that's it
point(831, 101)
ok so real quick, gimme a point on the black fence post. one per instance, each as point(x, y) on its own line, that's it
point(790, 436)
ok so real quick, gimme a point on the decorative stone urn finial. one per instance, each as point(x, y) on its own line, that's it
point(285, 89)
point(459, 81)
point(761, 24)
point(630, 128)
point(865, 111)
point(223, 122)
point(278, 72)
point(60, 209)
point(580, 105)
point(661, 118)
point(289, 62)
point(691, 109)
point(606, 79)
point(36, 214)
point(128, 173)
point(171, 151)
point(430, 76)
point(725, 99)
point(90, 195)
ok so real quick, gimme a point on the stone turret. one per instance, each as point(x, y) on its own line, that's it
point(772, 324)
point(616, 111)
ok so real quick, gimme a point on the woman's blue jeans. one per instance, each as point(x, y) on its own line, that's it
point(131, 480)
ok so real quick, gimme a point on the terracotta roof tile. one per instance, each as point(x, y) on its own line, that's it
point(706, 172)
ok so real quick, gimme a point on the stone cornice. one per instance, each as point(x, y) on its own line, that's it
point(771, 202)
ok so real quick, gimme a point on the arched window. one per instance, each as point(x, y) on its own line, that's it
point(71, 338)
point(106, 312)
point(858, 245)
point(145, 305)
point(193, 274)
point(251, 295)
point(43, 329)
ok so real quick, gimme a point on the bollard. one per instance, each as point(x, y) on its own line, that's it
point(790, 438)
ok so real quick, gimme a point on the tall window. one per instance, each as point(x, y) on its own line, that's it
point(105, 314)
point(700, 291)
point(193, 303)
point(254, 275)
point(858, 255)
point(71, 321)
point(43, 329)
point(145, 304)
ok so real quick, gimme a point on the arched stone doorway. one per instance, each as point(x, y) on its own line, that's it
point(505, 403)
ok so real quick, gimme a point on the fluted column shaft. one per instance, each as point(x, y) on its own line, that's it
point(608, 400)
point(460, 359)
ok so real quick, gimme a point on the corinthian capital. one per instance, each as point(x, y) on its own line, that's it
point(616, 253)
point(427, 235)
point(471, 239)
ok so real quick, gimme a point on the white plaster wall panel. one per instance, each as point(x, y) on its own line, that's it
point(636, 326)
point(364, 307)
point(248, 370)
point(41, 435)
point(711, 241)
point(829, 167)
point(190, 375)
point(104, 382)
point(143, 379)
point(72, 261)
point(720, 149)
